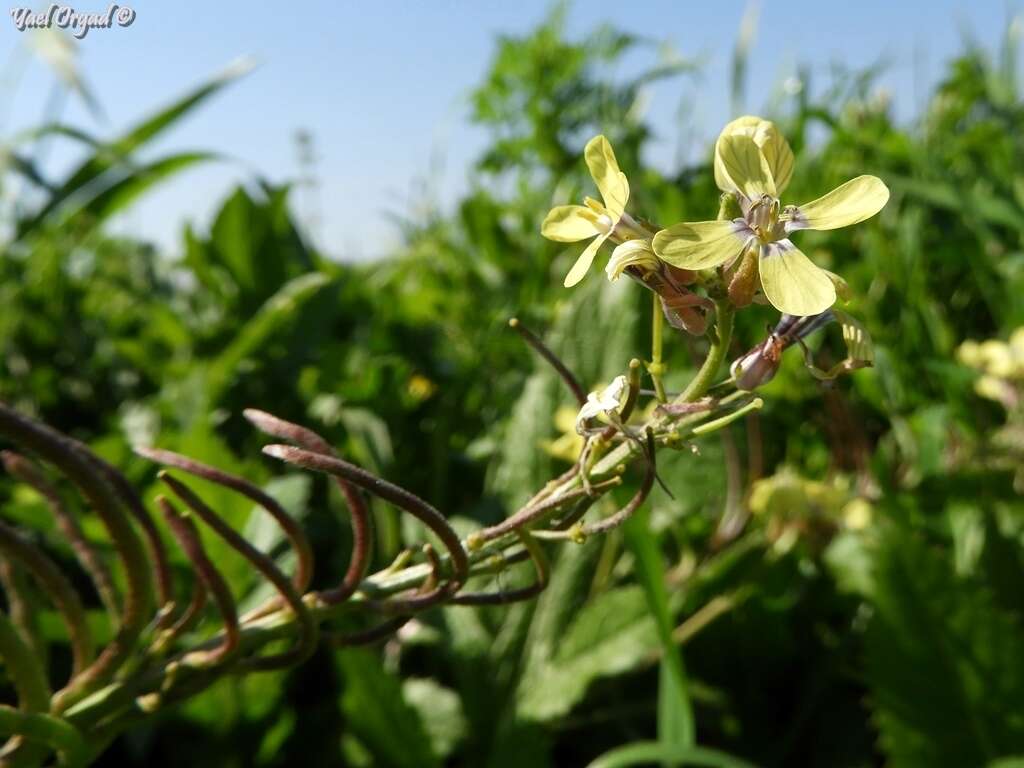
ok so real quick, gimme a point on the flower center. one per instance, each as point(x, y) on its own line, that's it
point(763, 218)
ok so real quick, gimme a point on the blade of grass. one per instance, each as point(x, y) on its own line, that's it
point(107, 156)
point(646, 752)
point(675, 711)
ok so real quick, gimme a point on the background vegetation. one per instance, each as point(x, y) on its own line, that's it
point(844, 571)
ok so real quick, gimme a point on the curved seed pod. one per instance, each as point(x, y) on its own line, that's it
point(23, 668)
point(158, 554)
point(614, 521)
point(389, 492)
point(138, 602)
point(387, 628)
point(372, 635)
point(185, 532)
point(527, 515)
point(551, 485)
point(291, 528)
point(85, 553)
point(57, 587)
point(188, 619)
point(575, 515)
point(23, 607)
point(540, 564)
point(362, 527)
point(305, 643)
point(29, 681)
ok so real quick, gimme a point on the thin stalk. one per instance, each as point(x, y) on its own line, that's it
point(705, 377)
point(656, 368)
point(552, 359)
point(754, 405)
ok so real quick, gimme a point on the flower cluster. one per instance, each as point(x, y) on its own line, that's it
point(753, 164)
point(745, 255)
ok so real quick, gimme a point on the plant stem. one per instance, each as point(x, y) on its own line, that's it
point(656, 368)
point(705, 377)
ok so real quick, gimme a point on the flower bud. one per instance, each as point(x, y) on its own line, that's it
point(759, 365)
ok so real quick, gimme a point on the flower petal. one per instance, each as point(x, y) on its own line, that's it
point(744, 166)
point(850, 203)
point(792, 283)
point(606, 401)
point(702, 244)
point(579, 269)
point(772, 144)
point(569, 223)
point(631, 253)
point(609, 179)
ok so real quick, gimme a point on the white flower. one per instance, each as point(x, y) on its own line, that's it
point(610, 399)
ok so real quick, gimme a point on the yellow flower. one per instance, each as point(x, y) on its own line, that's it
point(568, 445)
point(632, 253)
point(572, 223)
point(753, 161)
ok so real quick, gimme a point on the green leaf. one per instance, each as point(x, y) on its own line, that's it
point(282, 309)
point(379, 715)
point(439, 710)
point(610, 635)
point(141, 180)
point(943, 662)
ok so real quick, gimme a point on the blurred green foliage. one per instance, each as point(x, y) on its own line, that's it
point(872, 614)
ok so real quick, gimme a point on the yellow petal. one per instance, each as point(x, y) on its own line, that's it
point(579, 269)
point(701, 244)
point(744, 166)
point(631, 253)
point(792, 283)
point(857, 338)
point(773, 146)
point(609, 179)
point(842, 287)
point(569, 223)
point(852, 202)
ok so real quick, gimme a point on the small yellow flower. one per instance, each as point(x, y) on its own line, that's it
point(420, 387)
point(754, 162)
point(569, 444)
point(632, 253)
point(572, 223)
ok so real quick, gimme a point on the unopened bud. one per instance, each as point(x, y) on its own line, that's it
point(758, 366)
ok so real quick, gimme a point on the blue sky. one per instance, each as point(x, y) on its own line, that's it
point(383, 86)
